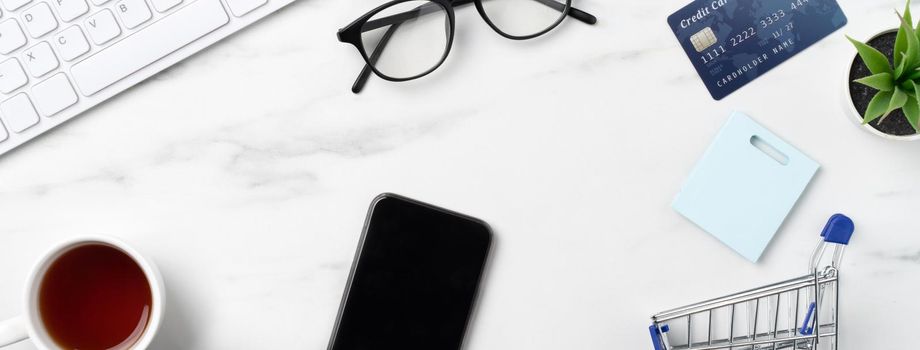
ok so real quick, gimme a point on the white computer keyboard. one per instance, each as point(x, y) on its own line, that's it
point(59, 58)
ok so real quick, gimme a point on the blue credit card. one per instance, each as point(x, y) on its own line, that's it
point(732, 42)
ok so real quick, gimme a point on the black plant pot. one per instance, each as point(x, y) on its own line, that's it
point(895, 126)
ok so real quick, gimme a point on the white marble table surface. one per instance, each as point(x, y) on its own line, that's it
point(245, 173)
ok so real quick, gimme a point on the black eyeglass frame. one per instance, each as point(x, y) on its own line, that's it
point(351, 34)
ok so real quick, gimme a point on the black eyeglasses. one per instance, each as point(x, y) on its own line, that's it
point(418, 34)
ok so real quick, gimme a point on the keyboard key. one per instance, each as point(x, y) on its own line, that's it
point(54, 95)
point(164, 5)
point(39, 20)
point(40, 59)
point(18, 113)
point(133, 12)
point(102, 27)
point(15, 4)
point(70, 9)
point(148, 45)
point(11, 36)
point(242, 7)
point(12, 76)
point(99, 2)
point(3, 134)
point(71, 43)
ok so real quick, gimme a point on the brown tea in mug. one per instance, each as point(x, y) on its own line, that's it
point(95, 297)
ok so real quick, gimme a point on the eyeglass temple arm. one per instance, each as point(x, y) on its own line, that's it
point(573, 12)
point(396, 20)
point(366, 72)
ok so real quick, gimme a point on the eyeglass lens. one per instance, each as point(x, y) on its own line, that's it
point(407, 39)
point(523, 18)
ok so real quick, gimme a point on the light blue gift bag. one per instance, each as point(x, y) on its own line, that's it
point(745, 185)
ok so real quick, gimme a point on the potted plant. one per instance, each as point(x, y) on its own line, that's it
point(884, 82)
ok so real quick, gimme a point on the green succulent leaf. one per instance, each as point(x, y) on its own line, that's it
point(911, 57)
point(877, 106)
point(915, 75)
point(912, 106)
point(881, 81)
point(907, 17)
point(875, 60)
point(907, 12)
point(898, 100)
point(900, 43)
point(913, 111)
point(899, 71)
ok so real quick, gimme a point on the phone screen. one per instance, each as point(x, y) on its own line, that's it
point(414, 280)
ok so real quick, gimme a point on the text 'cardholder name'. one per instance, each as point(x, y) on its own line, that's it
point(732, 42)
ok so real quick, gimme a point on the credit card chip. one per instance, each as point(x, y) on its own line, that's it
point(703, 39)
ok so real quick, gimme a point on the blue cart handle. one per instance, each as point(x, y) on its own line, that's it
point(836, 234)
point(838, 230)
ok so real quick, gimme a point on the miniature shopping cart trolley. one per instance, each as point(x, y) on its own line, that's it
point(800, 313)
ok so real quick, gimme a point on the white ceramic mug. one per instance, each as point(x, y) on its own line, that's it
point(30, 324)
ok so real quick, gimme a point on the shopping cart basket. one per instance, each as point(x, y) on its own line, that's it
point(800, 313)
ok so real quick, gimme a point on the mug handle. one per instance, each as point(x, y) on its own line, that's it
point(13, 331)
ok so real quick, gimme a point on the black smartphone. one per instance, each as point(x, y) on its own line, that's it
point(414, 280)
